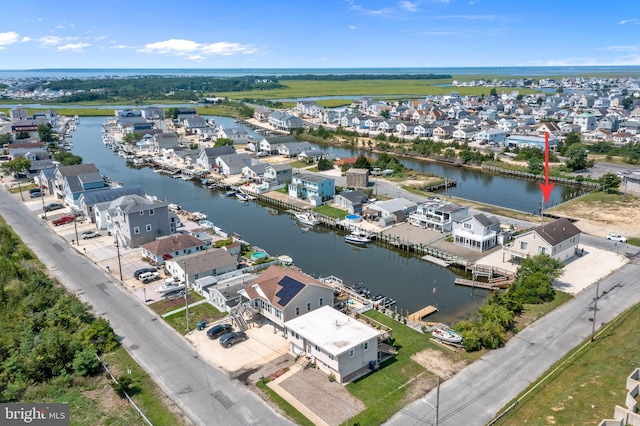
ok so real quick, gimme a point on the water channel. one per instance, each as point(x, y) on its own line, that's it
point(321, 251)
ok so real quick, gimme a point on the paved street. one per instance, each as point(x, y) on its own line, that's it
point(206, 394)
point(476, 394)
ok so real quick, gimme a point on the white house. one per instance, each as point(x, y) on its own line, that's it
point(339, 345)
point(477, 232)
point(438, 215)
point(558, 239)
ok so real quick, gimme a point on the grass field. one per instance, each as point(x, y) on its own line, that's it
point(584, 387)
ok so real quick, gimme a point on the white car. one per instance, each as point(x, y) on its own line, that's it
point(90, 234)
point(617, 237)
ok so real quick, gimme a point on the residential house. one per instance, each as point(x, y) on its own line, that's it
point(281, 294)
point(292, 149)
point(165, 140)
point(391, 211)
point(443, 133)
point(254, 172)
point(172, 247)
point(530, 141)
point(609, 122)
point(338, 345)
point(135, 220)
point(192, 122)
point(208, 263)
point(477, 232)
point(423, 131)
point(492, 136)
point(315, 188)
point(207, 156)
point(233, 164)
point(558, 239)
point(225, 294)
point(352, 200)
point(72, 181)
point(237, 134)
point(283, 121)
point(270, 145)
point(278, 173)
point(586, 121)
point(88, 200)
point(438, 215)
point(465, 134)
point(152, 113)
point(261, 114)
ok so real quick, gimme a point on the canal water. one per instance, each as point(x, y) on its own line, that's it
point(320, 251)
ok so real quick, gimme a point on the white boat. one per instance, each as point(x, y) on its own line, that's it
point(199, 215)
point(170, 287)
point(307, 218)
point(242, 196)
point(285, 260)
point(356, 237)
point(446, 335)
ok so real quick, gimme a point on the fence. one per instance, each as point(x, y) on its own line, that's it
point(533, 176)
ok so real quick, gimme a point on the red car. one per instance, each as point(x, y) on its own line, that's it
point(63, 220)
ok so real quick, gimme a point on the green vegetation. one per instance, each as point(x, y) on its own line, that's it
point(289, 411)
point(330, 211)
point(584, 387)
point(532, 285)
point(203, 311)
point(67, 159)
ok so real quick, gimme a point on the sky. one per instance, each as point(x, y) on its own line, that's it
point(318, 33)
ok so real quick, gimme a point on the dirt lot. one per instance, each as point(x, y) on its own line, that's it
point(434, 361)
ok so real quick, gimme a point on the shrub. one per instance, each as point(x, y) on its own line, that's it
point(122, 385)
point(86, 363)
point(332, 377)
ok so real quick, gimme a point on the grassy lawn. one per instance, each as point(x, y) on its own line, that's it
point(387, 390)
point(204, 311)
point(532, 313)
point(330, 211)
point(584, 386)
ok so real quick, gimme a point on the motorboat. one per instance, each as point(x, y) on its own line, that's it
point(356, 237)
point(170, 286)
point(285, 260)
point(447, 335)
point(241, 196)
point(230, 193)
point(307, 218)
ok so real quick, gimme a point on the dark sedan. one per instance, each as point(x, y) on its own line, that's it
point(230, 339)
point(218, 330)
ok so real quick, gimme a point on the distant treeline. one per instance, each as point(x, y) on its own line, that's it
point(347, 77)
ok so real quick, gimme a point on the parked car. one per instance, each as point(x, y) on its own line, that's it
point(90, 234)
point(147, 277)
point(142, 271)
point(63, 220)
point(617, 237)
point(230, 339)
point(52, 206)
point(218, 330)
point(35, 194)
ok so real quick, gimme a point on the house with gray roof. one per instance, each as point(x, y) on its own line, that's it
point(164, 140)
point(558, 239)
point(191, 267)
point(438, 215)
point(271, 144)
point(477, 232)
point(237, 134)
point(88, 200)
point(225, 294)
point(352, 200)
point(193, 122)
point(254, 172)
point(72, 181)
point(207, 156)
point(283, 121)
point(292, 149)
point(278, 173)
point(172, 247)
point(232, 164)
point(135, 220)
point(391, 211)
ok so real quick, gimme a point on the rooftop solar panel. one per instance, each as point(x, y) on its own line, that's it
point(290, 288)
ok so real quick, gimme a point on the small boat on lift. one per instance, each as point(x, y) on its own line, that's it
point(446, 334)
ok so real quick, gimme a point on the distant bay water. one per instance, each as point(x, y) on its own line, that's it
point(555, 71)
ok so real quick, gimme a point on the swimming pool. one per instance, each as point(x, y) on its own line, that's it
point(258, 255)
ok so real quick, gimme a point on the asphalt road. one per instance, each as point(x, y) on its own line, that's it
point(206, 395)
point(476, 394)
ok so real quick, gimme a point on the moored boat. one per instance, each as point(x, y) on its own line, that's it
point(307, 218)
point(242, 196)
point(356, 237)
point(285, 260)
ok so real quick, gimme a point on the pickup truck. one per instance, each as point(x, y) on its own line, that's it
point(63, 220)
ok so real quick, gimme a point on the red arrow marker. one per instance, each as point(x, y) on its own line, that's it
point(546, 186)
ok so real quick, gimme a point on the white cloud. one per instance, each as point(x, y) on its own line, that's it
point(8, 37)
point(409, 6)
point(121, 46)
point(25, 39)
point(197, 51)
point(74, 46)
point(353, 27)
point(624, 48)
point(49, 40)
point(627, 21)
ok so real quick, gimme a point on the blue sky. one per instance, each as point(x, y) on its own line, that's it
point(318, 33)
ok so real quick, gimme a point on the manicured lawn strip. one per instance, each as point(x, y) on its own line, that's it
point(384, 392)
point(203, 311)
point(296, 416)
point(330, 211)
point(532, 313)
point(151, 400)
point(589, 381)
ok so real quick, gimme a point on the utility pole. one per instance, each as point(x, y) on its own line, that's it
point(595, 309)
point(438, 401)
point(119, 262)
point(75, 226)
point(186, 292)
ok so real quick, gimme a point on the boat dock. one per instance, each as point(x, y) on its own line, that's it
point(475, 284)
point(422, 313)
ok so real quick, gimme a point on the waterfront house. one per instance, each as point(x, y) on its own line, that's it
point(311, 155)
point(127, 113)
point(438, 215)
point(237, 134)
point(278, 173)
point(558, 239)
point(254, 172)
point(88, 200)
point(477, 232)
point(281, 294)
point(270, 145)
point(225, 294)
point(192, 122)
point(212, 262)
point(442, 133)
point(465, 134)
point(523, 141)
point(391, 211)
point(261, 114)
point(165, 140)
point(314, 188)
point(135, 220)
point(292, 149)
point(352, 200)
point(336, 343)
point(172, 247)
point(207, 156)
point(232, 164)
point(152, 113)
point(283, 121)
point(72, 181)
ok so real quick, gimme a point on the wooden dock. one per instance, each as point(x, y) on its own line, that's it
point(476, 284)
point(422, 313)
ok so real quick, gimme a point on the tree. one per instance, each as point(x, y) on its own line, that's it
point(324, 164)
point(22, 135)
point(6, 138)
point(610, 182)
point(132, 138)
point(627, 102)
point(535, 166)
point(16, 167)
point(577, 157)
point(362, 162)
point(493, 92)
point(67, 159)
point(560, 90)
point(173, 112)
point(224, 142)
point(385, 113)
point(44, 131)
